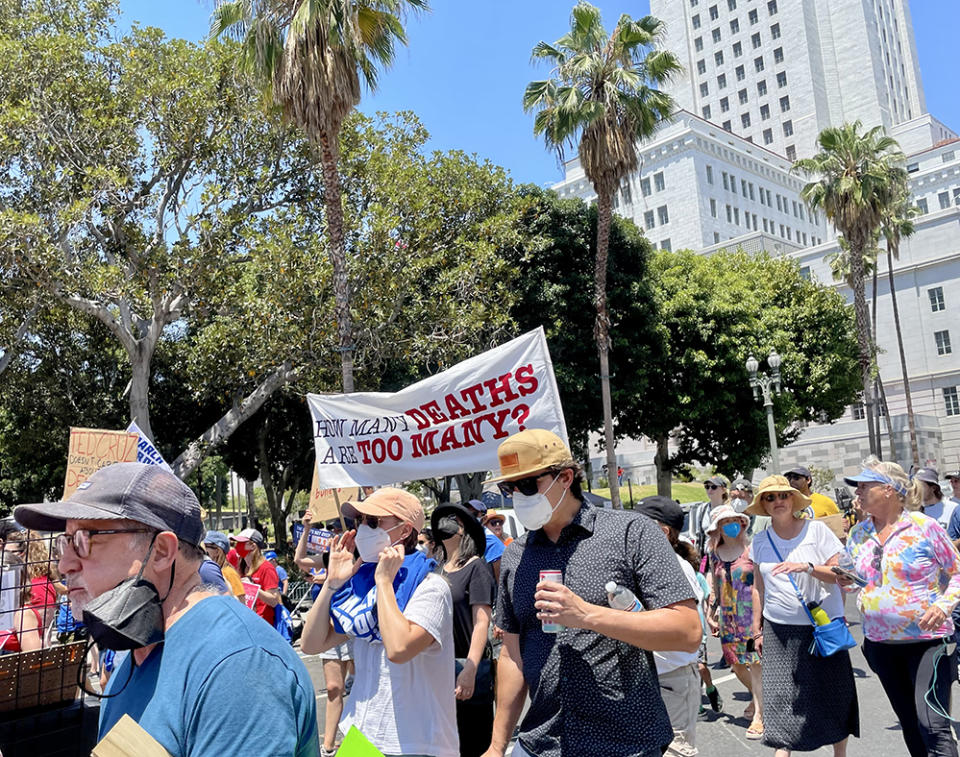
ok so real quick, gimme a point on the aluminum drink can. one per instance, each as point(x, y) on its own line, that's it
point(557, 577)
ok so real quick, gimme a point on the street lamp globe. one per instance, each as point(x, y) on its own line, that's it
point(752, 366)
point(773, 360)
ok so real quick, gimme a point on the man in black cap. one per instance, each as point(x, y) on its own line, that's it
point(820, 504)
point(129, 554)
point(494, 548)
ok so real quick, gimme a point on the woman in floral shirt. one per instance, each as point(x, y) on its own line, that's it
point(912, 571)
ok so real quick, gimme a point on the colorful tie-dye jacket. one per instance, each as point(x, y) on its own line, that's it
point(918, 567)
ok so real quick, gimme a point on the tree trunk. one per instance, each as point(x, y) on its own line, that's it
point(863, 339)
point(338, 256)
point(11, 349)
point(251, 502)
point(470, 485)
point(891, 436)
point(664, 479)
point(911, 421)
point(601, 332)
point(140, 392)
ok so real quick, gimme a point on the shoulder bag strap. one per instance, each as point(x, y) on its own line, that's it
point(796, 588)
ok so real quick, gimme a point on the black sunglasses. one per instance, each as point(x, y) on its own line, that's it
point(710, 486)
point(794, 475)
point(526, 486)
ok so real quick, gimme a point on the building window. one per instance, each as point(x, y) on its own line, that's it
point(694, 3)
point(704, 89)
point(696, 21)
point(716, 35)
point(737, 49)
point(913, 167)
point(772, 7)
point(698, 44)
point(784, 104)
point(764, 112)
point(943, 342)
point(709, 174)
point(714, 13)
point(758, 64)
point(740, 73)
point(648, 220)
point(734, 26)
point(665, 244)
point(956, 195)
point(765, 225)
point(947, 156)
point(701, 66)
point(662, 215)
point(782, 79)
point(936, 299)
point(752, 197)
point(742, 94)
point(727, 126)
point(743, 187)
point(722, 81)
point(736, 216)
point(805, 272)
point(713, 207)
point(779, 204)
point(767, 136)
point(788, 128)
point(716, 237)
point(755, 40)
point(645, 186)
point(944, 198)
point(762, 87)
point(753, 16)
point(732, 4)
point(922, 206)
point(726, 183)
point(858, 411)
point(724, 105)
point(791, 153)
point(778, 55)
point(951, 401)
point(706, 112)
point(729, 214)
point(658, 183)
point(718, 57)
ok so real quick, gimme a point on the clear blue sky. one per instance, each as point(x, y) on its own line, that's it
point(468, 63)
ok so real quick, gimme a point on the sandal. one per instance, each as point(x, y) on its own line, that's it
point(755, 731)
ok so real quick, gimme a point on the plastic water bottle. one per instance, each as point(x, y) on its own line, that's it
point(820, 616)
point(845, 561)
point(621, 598)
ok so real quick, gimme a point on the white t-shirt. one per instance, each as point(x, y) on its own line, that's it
point(815, 544)
point(667, 661)
point(409, 708)
point(940, 511)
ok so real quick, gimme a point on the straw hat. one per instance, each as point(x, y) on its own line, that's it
point(773, 484)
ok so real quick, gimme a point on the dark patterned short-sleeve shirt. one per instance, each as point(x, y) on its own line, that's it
point(590, 694)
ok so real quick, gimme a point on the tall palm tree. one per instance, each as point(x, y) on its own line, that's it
point(858, 175)
point(603, 96)
point(312, 57)
point(897, 224)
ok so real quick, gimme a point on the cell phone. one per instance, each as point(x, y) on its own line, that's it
point(847, 574)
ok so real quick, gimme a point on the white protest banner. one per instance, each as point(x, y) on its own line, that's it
point(446, 424)
point(146, 452)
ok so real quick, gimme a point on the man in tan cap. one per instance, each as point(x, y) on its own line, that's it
point(592, 683)
point(399, 612)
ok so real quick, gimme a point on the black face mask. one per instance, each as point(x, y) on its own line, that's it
point(447, 528)
point(128, 616)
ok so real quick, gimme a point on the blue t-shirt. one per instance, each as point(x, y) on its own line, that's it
point(281, 574)
point(495, 547)
point(953, 527)
point(210, 573)
point(184, 693)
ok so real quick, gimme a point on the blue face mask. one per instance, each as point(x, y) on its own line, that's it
point(731, 529)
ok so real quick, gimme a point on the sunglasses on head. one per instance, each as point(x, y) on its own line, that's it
point(526, 486)
point(774, 496)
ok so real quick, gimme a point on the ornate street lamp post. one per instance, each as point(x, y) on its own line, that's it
point(767, 386)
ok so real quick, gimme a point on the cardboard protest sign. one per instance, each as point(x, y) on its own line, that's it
point(146, 452)
point(323, 505)
point(92, 449)
point(319, 539)
point(250, 591)
point(449, 423)
point(128, 739)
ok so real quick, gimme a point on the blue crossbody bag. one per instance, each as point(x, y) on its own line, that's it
point(827, 639)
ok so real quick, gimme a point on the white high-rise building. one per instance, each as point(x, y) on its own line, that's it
point(780, 71)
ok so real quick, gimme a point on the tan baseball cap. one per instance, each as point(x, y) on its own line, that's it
point(389, 501)
point(530, 451)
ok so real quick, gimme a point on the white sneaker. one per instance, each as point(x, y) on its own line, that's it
point(680, 747)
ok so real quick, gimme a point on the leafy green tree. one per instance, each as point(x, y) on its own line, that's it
point(713, 313)
point(311, 57)
point(604, 97)
point(856, 176)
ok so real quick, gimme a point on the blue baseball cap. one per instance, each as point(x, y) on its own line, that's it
point(868, 475)
point(217, 539)
point(269, 555)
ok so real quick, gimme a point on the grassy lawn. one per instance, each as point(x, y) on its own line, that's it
point(682, 492)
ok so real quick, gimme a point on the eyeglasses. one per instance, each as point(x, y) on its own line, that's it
point(79, 540)
point(710, 487)
point(774, 496)
point(526, 486)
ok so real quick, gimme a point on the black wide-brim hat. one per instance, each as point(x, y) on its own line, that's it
point(471, 525)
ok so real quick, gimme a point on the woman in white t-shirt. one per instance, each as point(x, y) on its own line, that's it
point(809, 701)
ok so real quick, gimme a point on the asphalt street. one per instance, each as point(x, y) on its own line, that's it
point(724, 734)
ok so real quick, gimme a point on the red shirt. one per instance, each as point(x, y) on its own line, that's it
point(42, 593)
point(266, 578)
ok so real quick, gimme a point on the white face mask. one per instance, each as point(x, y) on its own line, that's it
point(535, 511)
point(372, 541)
